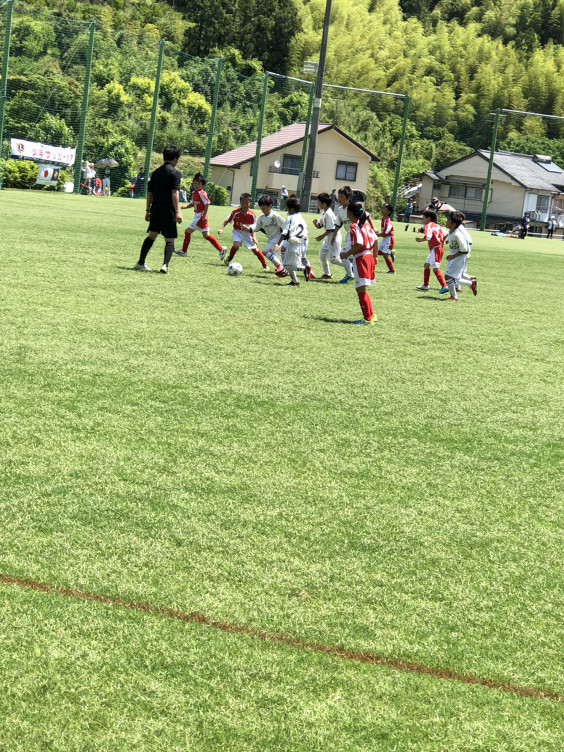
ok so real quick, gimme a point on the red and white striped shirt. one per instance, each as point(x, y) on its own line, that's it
point(434, 235)
point(387, 227)
point(200, 200)
point(364, 236)
point(240, 218)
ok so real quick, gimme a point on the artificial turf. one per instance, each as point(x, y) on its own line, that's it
point(235, 447)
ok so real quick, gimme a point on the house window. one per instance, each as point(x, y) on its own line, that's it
point(456, 191)
point(291, 164)
point(473, 194)
point(542, 203)
point(346, 171)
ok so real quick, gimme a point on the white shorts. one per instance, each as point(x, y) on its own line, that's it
point(294, 254)
point(384, 245)
point(457, 266)
point(269, 245)
point(333, 250)
point(239, 236)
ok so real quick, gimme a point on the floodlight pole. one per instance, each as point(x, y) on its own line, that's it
point(400, 152)
point(308, 175)
point(490, 170)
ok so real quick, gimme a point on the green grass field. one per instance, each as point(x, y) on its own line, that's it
point(196, 442)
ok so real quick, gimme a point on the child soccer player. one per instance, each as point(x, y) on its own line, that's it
point(271, 223)
point(295, 235)
point(344, 198)
point(330, 251)
point(386, 244)
point(459, 246)
point(362, 250)
point(200, 202)
point(435, 237)
point(242, 218)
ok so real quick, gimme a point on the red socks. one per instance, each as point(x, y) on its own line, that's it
point(365, 305)
point(232, 253)
point(426, 277)
point(389, 263)
point(439, 276)
point(187, 239)
point(214, 242)
point(259, 254)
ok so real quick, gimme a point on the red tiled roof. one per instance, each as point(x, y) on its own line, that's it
point(290, 134)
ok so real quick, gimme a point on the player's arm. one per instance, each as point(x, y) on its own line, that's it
point(148, 206)
point(356, 248)
point(226, 221)
point(176, 204)
point(188, 206)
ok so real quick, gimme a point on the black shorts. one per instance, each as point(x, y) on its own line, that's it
point(163, 220)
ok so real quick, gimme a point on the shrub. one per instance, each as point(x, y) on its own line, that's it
point(217, 194)
point(19, 173)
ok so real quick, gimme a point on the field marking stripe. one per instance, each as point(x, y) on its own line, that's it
point(333, 651)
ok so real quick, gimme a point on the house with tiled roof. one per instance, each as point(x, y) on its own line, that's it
point(520, 183)
point(339, 161)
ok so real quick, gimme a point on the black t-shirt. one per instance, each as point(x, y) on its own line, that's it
point(162, 182)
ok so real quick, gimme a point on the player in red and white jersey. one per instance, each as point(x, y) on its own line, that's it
point(362, 252)
point(243, 217)
point(386, 243)
point(200, 202)
point(435, 236)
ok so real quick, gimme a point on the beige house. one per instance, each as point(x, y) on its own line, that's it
point(520, 183)
point(339, 161)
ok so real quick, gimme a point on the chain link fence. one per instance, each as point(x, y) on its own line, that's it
point(123, 95)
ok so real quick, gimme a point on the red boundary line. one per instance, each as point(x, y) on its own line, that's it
point(333, 651)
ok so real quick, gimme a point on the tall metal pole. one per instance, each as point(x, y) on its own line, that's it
point(306, 190)
point(400, 152)
point(490, 169)
point(84, 109)
point(151, 136)
point(4, 71)
point(209, 146)
point(259, 137)
point(306, 131)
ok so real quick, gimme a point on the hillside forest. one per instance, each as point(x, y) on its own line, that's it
point(457, 60)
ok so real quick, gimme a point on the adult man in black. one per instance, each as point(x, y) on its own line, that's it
point(163, 208)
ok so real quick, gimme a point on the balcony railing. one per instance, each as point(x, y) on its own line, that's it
point(290, 171)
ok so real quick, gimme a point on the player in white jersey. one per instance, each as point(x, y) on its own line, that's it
point(344, 197)
point(456, 272)
point(272, 224)
point(329, 251)
point(295, 234)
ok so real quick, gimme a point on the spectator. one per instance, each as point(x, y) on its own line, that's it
point(97, 185)
point(524, 226)
point(283, 197)
point(106, 182)
point(550, 227)
point(408, 211)
point(139, 183)
point(333, 199)
point(182, 194)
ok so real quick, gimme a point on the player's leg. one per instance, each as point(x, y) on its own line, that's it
point(145, 248)
point(426, 277)
point(268, 252)
point(389, 263)
point(214, 241)
point(324, 258)
point(234, 248)
point(187, 238)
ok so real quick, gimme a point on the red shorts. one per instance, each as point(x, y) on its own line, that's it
point(438, 249)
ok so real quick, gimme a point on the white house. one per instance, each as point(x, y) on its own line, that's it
point(339, 161)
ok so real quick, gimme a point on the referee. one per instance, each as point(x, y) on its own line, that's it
point(163, 208)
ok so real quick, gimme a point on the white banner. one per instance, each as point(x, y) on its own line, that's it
point(33, 150)
point(47, 175)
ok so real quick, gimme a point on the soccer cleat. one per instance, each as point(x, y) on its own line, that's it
point(180, 253)
point(364, 322)
point(293, 284)
point(451, 298)
point(474, 286)
point(227, 261)
point(222, 253)
point(141, 267)
point(423, 288)
point(164, 269)
point(443, 290)
point(310, 274)
point(282, 273)
point(390, 271)
point(326, 276)
point(278, 269)
point(265, 268)
point(346, 278)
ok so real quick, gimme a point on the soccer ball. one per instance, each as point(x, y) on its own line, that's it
point(234, 269)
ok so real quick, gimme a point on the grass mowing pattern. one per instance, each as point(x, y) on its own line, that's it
point(192, 441)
